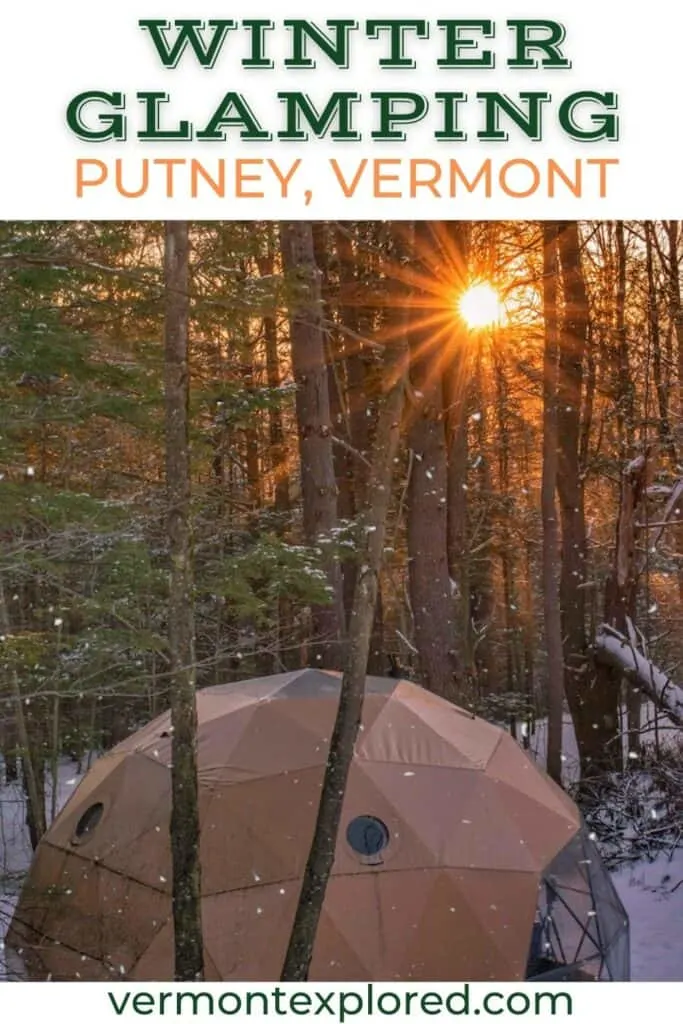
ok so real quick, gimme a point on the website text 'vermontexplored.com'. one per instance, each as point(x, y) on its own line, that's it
point(339, 1004)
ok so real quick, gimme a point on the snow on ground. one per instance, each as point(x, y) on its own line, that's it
point(654, 729)
point(15, 848)
point(653, 897)
point(651, 892)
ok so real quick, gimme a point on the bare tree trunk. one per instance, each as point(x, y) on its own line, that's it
point(528, 625)
point(482, 593)
point(321, 857)
point(625, 398)
point(622, 584)
point(189, 957)
point(676, 311)
point(509, 566)
point(430, 586)
point(592, 710)
point(457, 393)
point(456, 397)
point(625, 392)
point(276, 435)
point(551, 596)
point(345, 464)
point(361, 393)
point(315, 430)
point(654, 331)
point(251, 439)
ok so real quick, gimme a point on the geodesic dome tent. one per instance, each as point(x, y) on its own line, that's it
point(457, 858)
point(581, 928)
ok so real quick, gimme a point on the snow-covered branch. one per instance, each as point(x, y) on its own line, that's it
point(615, 649)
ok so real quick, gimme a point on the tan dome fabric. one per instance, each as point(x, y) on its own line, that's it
point(452, 826)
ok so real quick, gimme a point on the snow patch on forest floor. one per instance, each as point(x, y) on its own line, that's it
point(654, 730)
point(15, 847)
point(653, 896)
point(651, 892)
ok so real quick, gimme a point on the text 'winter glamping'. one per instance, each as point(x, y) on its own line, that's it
point(449, 51)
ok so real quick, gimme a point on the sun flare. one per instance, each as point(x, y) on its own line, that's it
point(480, 306)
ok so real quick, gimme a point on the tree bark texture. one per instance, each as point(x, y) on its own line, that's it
point(185, 801)
point(318, 483)
point(550, 551)
point(349, 713)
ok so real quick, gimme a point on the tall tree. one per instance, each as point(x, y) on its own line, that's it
point(185, 834)
point(593, 707)
point(430, 584)
point(551, 604)
point(457, 390)
point(659, 369)
point(318, 483)
point(349, 713)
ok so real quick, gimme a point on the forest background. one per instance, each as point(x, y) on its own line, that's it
point(532, 564)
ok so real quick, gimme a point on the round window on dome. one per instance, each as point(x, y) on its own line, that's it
point(368, 837)
point(88, 822)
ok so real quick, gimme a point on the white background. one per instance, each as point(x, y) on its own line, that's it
point(51, 51)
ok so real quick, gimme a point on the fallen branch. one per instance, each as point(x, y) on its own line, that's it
point(614, 649)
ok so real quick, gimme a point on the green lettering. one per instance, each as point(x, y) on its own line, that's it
point(194, 998)
point(336, 48)
point(549, 44)
point(110, 126)
point(339, 110)
point(397, 108)
point(189, 34)
point(257, 41)
point(450, 102)
point(152, 130)
point(118, 1007)
point(605, 125)
point(529, 120)
point(398, 31)
point(455, 43)
point(233, 110)
point(143, 1003)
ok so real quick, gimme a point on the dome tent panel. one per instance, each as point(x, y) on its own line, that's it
point(478, 831)
point(131, 792)
point(245, 929)
point(400, 736)
point(217, 737)
point(153, 960)
point(405, 849)
point(75, 917)
point(542, 830)
point(37, 895)
point(59, 963)
point(525, 777)
point(474, 739)
point(376, 930)
point(268, 748)
point(257, 832)
point(504, 902)
point(232, 696)
point(63, 828)
point(453, 940)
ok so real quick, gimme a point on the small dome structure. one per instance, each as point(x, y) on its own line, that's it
point(457, 858)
